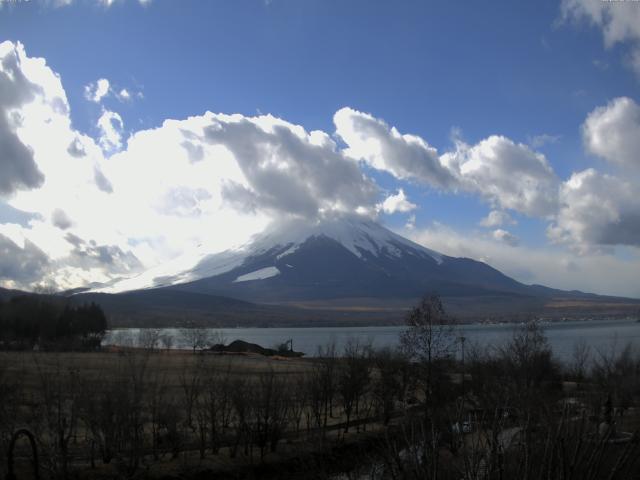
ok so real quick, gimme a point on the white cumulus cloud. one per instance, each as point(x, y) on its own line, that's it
point(612, 132)
point(97, 90)
point(102, 88)
point(619, 22)
point(124, 95)
point(597, 210)
point(506, 237)
point(496, 218)
point(397, 203)
point(407, 157)
point(508, 174)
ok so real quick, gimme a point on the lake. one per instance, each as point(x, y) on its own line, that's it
point(601, 335)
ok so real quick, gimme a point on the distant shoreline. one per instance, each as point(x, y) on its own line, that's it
point(562, 334)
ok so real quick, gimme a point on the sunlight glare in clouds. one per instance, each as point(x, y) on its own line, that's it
point(112, 207)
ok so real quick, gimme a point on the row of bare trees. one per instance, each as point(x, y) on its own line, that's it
point(503, 413)
point(522, 414)
point(137, 409)
point(154, 339)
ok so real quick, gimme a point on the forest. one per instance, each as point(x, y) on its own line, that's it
point(50, 323)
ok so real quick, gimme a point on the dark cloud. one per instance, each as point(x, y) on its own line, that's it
point(60, 219)
point(76, 149)
point(9, 214)
point(112, 259)
point(195, 151)
point(289, 172)
point(22, 265)
point(18, 170)
point(239, 197)
point(102, 182)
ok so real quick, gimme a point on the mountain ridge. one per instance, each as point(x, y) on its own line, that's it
point(337, 257)
point(348, 270)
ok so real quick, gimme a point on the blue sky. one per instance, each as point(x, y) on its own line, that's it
point(453, 74)
point(424, 66)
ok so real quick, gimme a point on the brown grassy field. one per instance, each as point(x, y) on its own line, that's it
point(136, 413)
point(79, 376)
point(26, 366)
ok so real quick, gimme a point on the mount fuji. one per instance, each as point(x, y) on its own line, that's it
point(348, 265)
point(338, 258)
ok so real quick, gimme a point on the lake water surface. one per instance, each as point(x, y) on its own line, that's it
point(601, 335)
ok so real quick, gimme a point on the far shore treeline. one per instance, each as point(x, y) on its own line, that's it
point(50, 323)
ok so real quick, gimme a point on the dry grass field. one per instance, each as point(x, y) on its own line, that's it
point(167, 393)
point(141, 413)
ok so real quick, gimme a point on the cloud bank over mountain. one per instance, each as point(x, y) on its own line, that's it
point(108, 207)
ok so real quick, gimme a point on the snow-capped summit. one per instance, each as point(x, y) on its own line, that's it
point(360, 235)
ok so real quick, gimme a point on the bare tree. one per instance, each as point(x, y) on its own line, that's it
point(270, 407)
point(429, 339)
point(11, 396)
point(195, 338)
point(217, 405)
point(617, 372)
point(527, 357)
point(156, 402)
point(131, 410)
point(166, 340)
point(191, 380)
point(353, 377)
point(59, 405)
point(299, 400)
point(322, 386)
point(148, 338)
point(580, 358)
point(390, 381)
point(240, 393)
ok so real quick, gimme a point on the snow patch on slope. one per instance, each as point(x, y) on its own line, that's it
point(183, 269)
point(261, 274)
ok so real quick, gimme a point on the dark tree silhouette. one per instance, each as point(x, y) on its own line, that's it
point(50, 322)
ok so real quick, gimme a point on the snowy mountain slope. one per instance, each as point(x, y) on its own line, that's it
point(338, 270)
point(336, 258)
point(360, 236)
